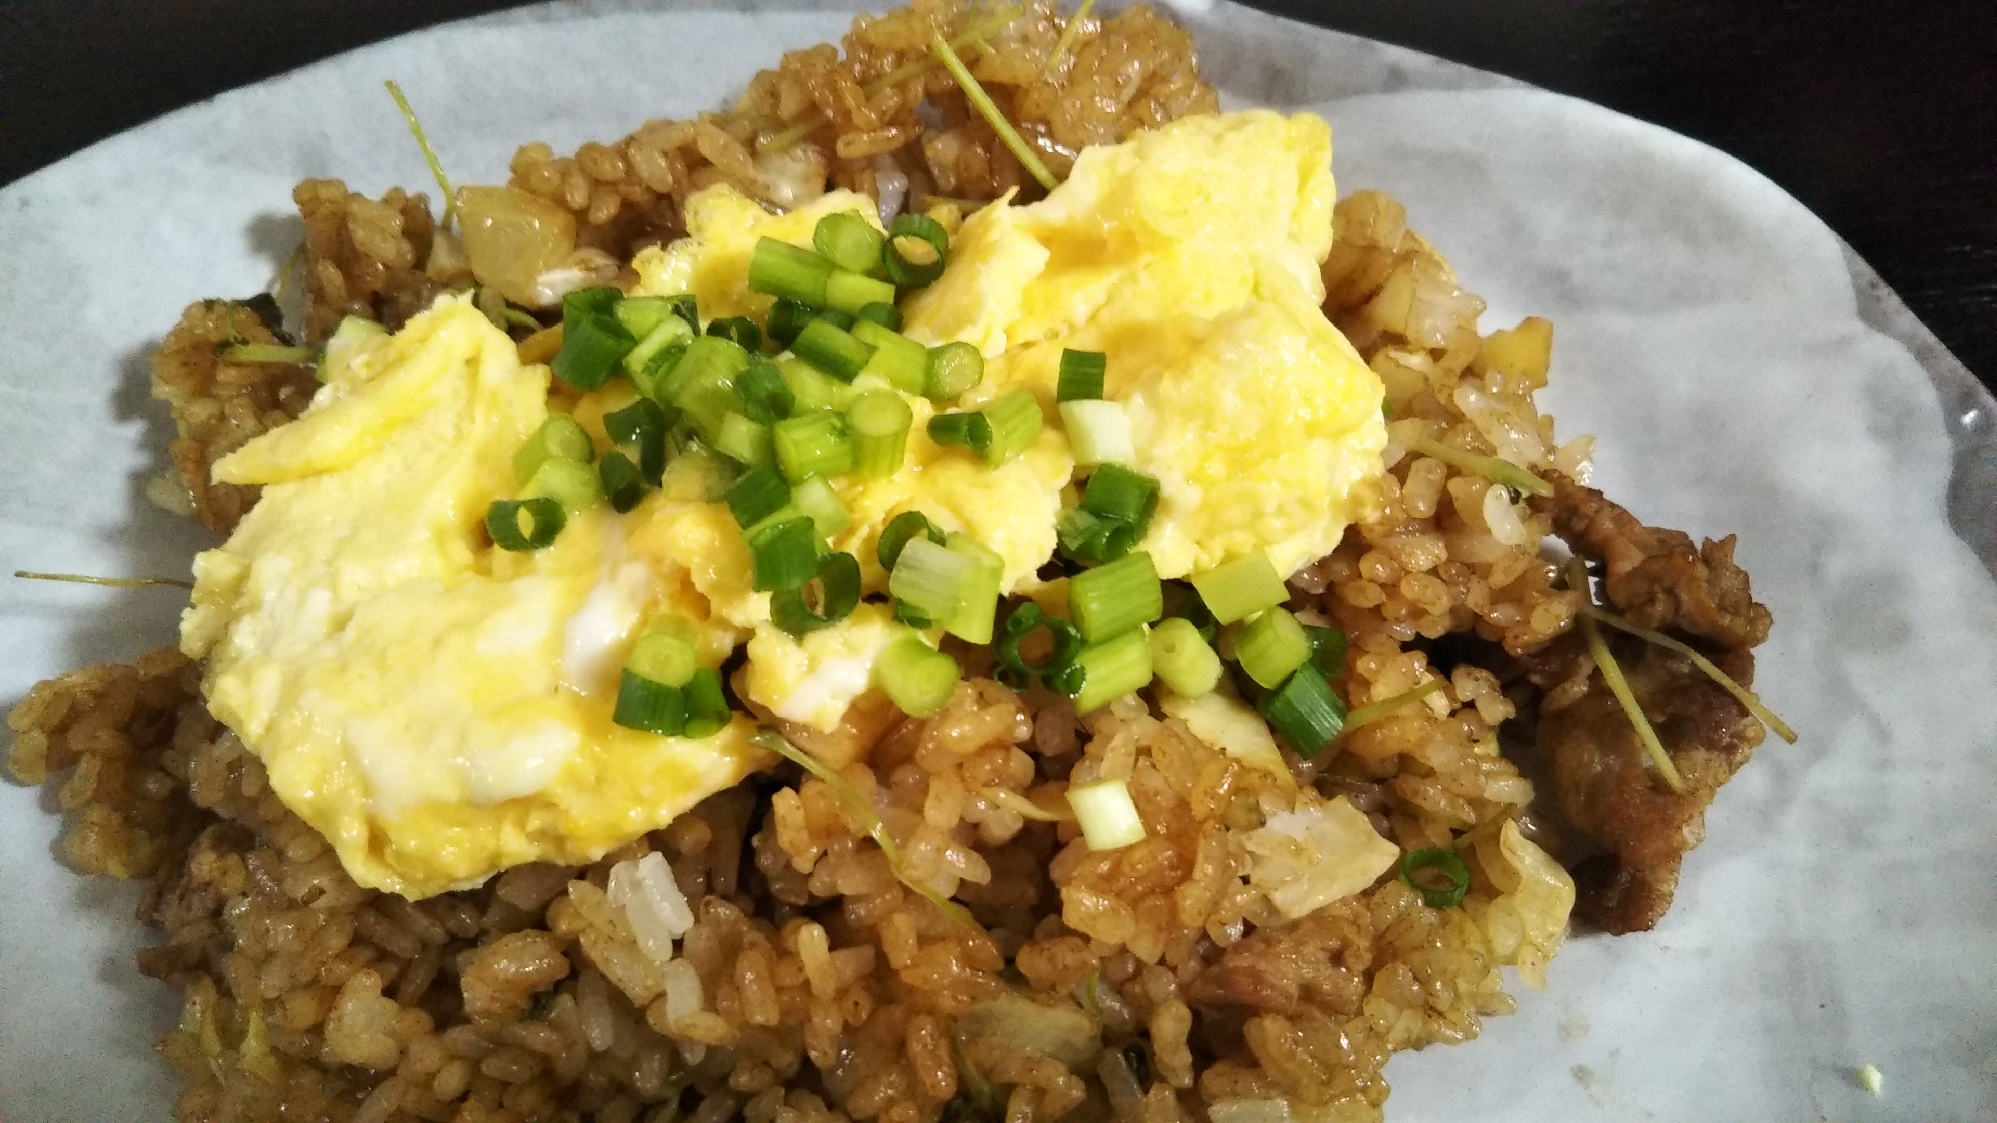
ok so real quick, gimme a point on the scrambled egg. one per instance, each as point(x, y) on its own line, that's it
point(440, 709)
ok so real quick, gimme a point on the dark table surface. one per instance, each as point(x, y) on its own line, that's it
point(1882, 117)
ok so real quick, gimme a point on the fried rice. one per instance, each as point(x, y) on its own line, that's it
point(1154, 983)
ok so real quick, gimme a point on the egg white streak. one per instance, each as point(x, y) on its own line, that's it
point(597, 632)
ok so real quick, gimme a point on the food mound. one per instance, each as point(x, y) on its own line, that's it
point(964, 588)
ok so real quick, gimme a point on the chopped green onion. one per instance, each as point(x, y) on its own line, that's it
point(687, 307)
point(962, 430)
point(787, 318)
point(571, 483)
point(851, 292)
point(1612, 674)
point(932, 578)
point(1741, 694)
point(838, 591)
point(1068, 33)
point(664, 655)
point(649, 706)
point(982, 102)
point(844, 321)
point(1374, 711)
point(1087, 538)
point(1112, 669)
point(849, 241)
point(1182, 602)
point(973, 620)
point(811, 389)
point(706, 704)
point(623, 484)
point(766, 399)
point(1016, 423)
point(639, 431)
point(813, 444)
point(1098, 432)
point(1305, 711)
point(899, 531)
point(1183, 659)
point(353, 334)
point(741, 329)
point(708, 359)
point(1240, 588)
point(954, 368)
point(640, 315)
point(831, 349)
point(1490, 467)
point(1065, 642)
point(1270, 646)
point(1114, 598)
point(697, 473)
point(815, 499)
point(880, 421)
point(756, 495)
point(882, 313)
point(1437, 874)
point(657, 349)
point(429, 153)
point(904, 613)
point(1116, 492)
point(900, 361)
point(915, 676)
point(592, 346)
point(544, 518)
point(1107, 814)
point(784, 555)
point(742, 440)
point(597, 300)
point(917, 249)
point(1327, 649)
point(1081, 376)
point(559, 436)
point(779, 269)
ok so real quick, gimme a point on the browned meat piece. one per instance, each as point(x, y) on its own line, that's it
point(1318, 962)
point(1655, 577)
point(363, 257)
point(219, 405)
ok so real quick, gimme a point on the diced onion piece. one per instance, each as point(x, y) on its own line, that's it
point(1107, 814)
point(512, 236)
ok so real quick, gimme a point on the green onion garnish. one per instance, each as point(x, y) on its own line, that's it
point(639, 431)
point(1305, 711)
point(917, 249)
point(1183, 602)
point(623, 484)
point(742, 440)
point(1086, 538)
point(882, 313)
point(1107, 814)
point(932, 579)
point(741, 329)
point(756, 495)
point(559, 436)
point(1081, 375)
point(543, 517)
point(1098, 432)
point(571, 483)
point(657, 349)
point(592, 346)
point(813, 444)
point(899, 360)
point(1612, 674)
point(1437, 874)
point(880, 421)
point(1112, 669)
point(1490, 467)
point(787, 318)
point(1327, 649)
point(1116, 492)
point(640, 315)
point(962, 430)
point(915, 676)
point(1240, 588)
point(104, 582)
point(664, 655)
point(779, 269)
point(1068, 33)
point(785, 554)
point(831, 349)
point(837, 591)
point(899, 531)
point(976, 616)
point(811, 389)
point(815, 499)
point(848, 293)
point(687, 307)
point(1270, 646)
point(766, 399)
point(1114, 598)
point(649, 706)
point(1015, 423)
point(706, 704)
point(954, 368)
point(1184, 660)
point(848, 241)
point(982, 102)
point(1065, 642)
point(429, 153)
point(709, 359)
point(844, 321)
point(1374, 711)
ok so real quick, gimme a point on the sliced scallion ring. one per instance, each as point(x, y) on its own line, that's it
point(837, 592)
point(1437, 874)
point(1024, 621)
point(741, 329)
point(899, 531)
point(544, 519)
point(917, 249)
